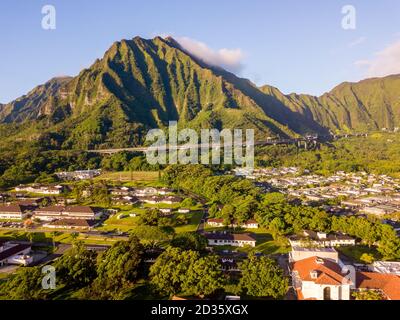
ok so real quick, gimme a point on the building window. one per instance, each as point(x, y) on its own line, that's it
point(327, 293)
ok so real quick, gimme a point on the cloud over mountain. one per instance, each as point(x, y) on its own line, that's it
point(385, 62)
point(229, 59)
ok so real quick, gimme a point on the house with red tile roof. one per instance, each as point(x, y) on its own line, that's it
point(387, 284)
point(318, 278)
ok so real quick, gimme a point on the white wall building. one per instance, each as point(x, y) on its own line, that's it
point(316, 278)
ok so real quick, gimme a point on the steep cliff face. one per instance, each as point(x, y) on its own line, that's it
point(141, 84)
point(367, 105)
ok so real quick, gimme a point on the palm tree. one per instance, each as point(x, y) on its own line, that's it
point(74, 236)
point(53, 235)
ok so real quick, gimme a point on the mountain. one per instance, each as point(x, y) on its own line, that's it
point(142, 84)
point(138, 85)
point(364, 106)
point(38, 102)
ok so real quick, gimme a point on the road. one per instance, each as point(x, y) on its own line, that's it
point(207, 146)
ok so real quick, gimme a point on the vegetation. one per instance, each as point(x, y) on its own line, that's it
point(368, 295)
point(262, 277)
point(185, 271)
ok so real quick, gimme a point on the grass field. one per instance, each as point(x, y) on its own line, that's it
point(264, 241)
point(355, 252)
point(124, 224)
point(194, 221)
point(47, 237)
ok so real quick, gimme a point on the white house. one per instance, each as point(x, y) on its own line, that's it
point(51, 190)
point(301, 253)
point(218, 222)
point(317, 278)
point(183, 210)
point(11, 253)
point(17, 212)
point(72, 212)
point(320, 239)
point(230, 239)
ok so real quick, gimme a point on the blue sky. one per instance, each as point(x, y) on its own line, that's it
point(297, 46)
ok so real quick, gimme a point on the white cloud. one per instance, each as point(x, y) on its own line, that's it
point(384, 63)
point(357, 42)
point(229, 59)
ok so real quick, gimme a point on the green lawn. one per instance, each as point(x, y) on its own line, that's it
point(355, 252)
point(36, 236)
point(123, 224)
point(194, 221)
point(264, 242)
point(47, 237)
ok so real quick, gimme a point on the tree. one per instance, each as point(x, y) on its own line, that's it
point(185, 271)
point(153, 234)
point(150, 218)
point(367, 258)
point(276, 228)
point(54, 234)
point(188, 203)
point(26, 284)
point(273, 198)
point(204, 277)
point(118, 269)
point(368, 295)
point(213, 211)
point(74, 236)
point(77, 266)
point(169, 271)
point(189, 241)
point(227, 213)
point(119, 265)
point(262, 277)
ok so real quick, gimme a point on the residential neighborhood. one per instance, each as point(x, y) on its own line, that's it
point(314, 261)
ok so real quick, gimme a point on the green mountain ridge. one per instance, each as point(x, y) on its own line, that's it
point(363, 106)
point(142, 84)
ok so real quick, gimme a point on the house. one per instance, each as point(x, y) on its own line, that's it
point(13, 211)
point(320, 239)
point(51, 190)
point(250, 224)
point(160, 199)
point(49, 213)
point(79, 224)
point(380, 210)
point(219, 222)
point(165, 211)
point(301, 253)
point(389, 267)
point(82, 212)
point(183, 210)
point(78, 175)
point(151, 191)
point(387, 284)
point(125, 200)
point(11, 253)
point(230, 239)
point(72, 212)
point(229, 265)
point(317, 278)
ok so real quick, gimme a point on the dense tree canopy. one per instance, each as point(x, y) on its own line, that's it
point(262, 277)
point(185, 271)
